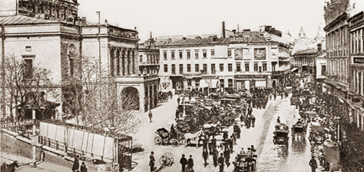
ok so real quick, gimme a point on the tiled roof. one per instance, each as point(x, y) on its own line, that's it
point(19, 19)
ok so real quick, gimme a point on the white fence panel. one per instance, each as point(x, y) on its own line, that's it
point(78, 139)
point(98, 145)
point(109, 148)
point(52, 131)
point(60, 134)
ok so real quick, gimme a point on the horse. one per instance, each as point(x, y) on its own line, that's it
point(9, 167)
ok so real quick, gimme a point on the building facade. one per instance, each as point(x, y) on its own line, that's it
point(149, 68)
point(336, 85)
point(58, 42)
point(356, 35)
point(244, 60)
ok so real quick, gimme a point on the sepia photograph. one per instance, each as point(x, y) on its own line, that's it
point(182, 85)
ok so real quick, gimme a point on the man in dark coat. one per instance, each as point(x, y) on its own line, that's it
point(213, 143)
point(151, 161)
point(183, 162)
point(313, 164)
point(76, 164)
point(83, 167)
point(253, 120)
point(190, 164)
point(227, 156)
point(150, 116)
point(221, 162)
point(215, 157)
point(205, 155)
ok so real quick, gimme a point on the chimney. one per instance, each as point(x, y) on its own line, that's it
point(223, 29)
point(319, 47)
point(234, 31)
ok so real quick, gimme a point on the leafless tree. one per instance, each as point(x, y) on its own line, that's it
point(27, 84)
point(95, 100)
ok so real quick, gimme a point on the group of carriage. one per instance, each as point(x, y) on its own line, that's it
point(281, 133)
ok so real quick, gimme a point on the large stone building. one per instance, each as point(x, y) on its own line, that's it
point(356, 39)
point(149, 68)
point(241, 61)
point(57, 43)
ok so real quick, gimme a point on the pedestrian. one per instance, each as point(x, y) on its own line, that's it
point(253, 120)
point(275, 95)
point(151, 161)
point(215, 157)
point(278, 120)
point(150, 116)
point(177, 113)
point(76, 164)
point(205, 155)
point(190, 164)
point(183, 162)
point(83, 167)
point(178, 99)
point(242, 119)
point(213, 142)
point(205, 142)
point(313, 164)
point(221, 162)
point(227, 156)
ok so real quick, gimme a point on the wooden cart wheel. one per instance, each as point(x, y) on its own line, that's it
point(174, 142)
point(166, 159)
point(157, 140)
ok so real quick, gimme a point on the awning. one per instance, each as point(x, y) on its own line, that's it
point(294, 69)
point(203, 83)
point(212, 83)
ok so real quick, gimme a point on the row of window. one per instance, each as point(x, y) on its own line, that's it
point(337, 38)
point(356, 41)
point(213, 68)
point(338, 68)
point(197, 55)
point(151, 59)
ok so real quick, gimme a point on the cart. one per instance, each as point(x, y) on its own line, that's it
point(317, 133)
point(165, 138)
point(281, 134)
point(245, 163)
point(299, 130)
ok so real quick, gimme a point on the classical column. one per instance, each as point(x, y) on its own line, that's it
point(118, 62)
point(146, 103)
point(151, 97)
point(112, 61)
point(133, 61)
point(123, 54)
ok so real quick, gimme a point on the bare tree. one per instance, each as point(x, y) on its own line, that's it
point(28, 84)
point(98, 102)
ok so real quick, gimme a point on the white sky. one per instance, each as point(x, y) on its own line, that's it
point(197, 17)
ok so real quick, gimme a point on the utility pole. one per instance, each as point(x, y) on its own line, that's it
point(3, 68)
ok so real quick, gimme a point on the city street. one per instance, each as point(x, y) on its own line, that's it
point(270, 157)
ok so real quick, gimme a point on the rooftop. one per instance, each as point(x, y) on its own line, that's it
point(19, 19)
point(306, 51)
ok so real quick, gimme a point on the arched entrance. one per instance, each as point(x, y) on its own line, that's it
point(130, 98)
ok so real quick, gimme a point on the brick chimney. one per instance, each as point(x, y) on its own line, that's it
point(319, 48)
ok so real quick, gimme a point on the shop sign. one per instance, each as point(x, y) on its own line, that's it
point(359, 60)
point(244, 76)
point(208, 77)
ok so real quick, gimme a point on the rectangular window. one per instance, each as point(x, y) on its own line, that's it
point(28, 68)
point(165, 55)
point(204, 54)
point(247, 67)
point(230, 67)
point(165, 68)
point(256, 67)
point(323, 69)
point(188, 55)
point(264, 66)
point(197, 68)
point(172, 55)
point(188, 67)
point(141, 59)
point(238, 67)
point(213, 69)
point(180, 68)
point(212, 52)
point(173, 69)
point(274, 67)
point(229, 53)
point(221, 67)
point(72, 67)
point(189, 82)
point(180, 55)
point(205, 67)
point(196, 54)
point(230, 83)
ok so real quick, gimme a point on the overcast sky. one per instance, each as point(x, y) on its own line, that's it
point(197, 17)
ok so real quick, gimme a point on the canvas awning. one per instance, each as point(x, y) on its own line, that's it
point(203, 83)
point(212, 83)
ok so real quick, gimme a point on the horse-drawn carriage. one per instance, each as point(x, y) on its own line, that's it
point(317, 133)
point(281, 134)
point(168, 138)
point(245, 163)
point(299, 129)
